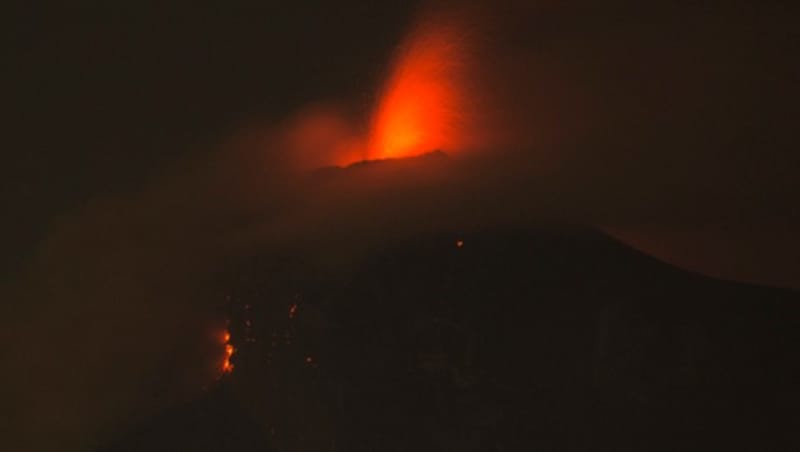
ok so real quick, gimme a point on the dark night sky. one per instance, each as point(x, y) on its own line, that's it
point(672, 127)
point(104, 96)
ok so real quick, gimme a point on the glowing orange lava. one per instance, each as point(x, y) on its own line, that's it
point(227, 365)
point(420, 107)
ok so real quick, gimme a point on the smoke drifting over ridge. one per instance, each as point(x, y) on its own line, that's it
point(621, 119)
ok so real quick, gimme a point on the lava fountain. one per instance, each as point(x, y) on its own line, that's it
point(422, 105)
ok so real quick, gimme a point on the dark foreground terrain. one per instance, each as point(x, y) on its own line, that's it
point(498, 341)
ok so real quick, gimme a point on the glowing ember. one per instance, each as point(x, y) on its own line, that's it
point(421, 102)
point(227, 365)
point(292, 310)
point(459, 243)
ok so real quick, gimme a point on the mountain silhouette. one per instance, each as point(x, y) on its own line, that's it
point(547, 339)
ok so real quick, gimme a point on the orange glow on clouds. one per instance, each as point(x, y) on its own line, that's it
point(322, 135)
point(422, 102)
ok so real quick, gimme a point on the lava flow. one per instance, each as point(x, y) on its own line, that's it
point(227, 365)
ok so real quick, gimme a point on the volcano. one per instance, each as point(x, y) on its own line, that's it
point(553, 339)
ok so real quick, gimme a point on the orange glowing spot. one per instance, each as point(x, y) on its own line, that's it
point(459, 243)
point(419, 109)
point(292, 310)
point(309, 360)
point(227, 365)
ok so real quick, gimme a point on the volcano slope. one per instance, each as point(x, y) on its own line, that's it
point(513, 340)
